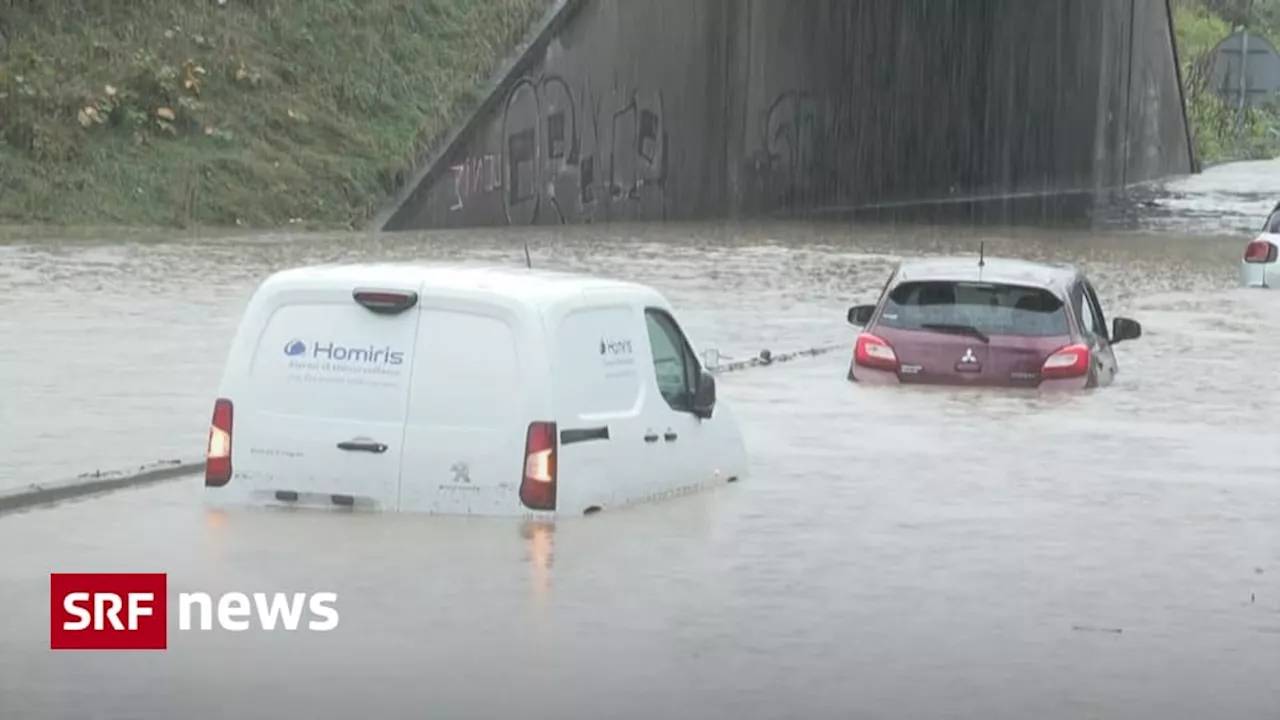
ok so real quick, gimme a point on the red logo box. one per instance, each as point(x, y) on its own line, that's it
point(108, 611)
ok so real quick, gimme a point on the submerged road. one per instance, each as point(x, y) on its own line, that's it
point(895, 553)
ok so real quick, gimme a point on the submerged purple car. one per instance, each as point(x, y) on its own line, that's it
point(990, 322)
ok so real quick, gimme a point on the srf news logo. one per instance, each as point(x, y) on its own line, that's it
point(130, 611)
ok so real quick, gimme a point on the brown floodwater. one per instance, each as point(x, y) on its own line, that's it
point(895, 553)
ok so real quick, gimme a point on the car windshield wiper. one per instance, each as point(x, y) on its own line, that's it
point(969, 330)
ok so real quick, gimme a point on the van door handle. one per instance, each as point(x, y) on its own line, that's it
point(670, 436)
point(358, 446)
point(651, 437)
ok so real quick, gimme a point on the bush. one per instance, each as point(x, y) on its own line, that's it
point(1221, 132)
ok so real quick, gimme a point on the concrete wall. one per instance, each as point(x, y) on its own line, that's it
point(1158, 142)
point(692, 109)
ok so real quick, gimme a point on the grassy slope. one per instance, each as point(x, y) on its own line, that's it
point(282, 110)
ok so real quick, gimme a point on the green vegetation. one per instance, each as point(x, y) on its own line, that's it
point(259, 113)
point(1221, 132)
point(265, 113)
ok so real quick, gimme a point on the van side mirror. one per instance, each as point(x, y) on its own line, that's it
point(1125, 329)
point(704, 398)
point(860, 315)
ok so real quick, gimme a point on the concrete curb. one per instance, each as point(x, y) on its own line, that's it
point(529, 52)
point(94, 483)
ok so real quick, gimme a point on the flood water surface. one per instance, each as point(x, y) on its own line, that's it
point(895, 553)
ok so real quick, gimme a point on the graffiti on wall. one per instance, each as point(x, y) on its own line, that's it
point(797, 156)
point(569, 157)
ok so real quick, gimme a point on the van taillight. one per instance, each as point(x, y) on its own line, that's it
point(872, 352)
point(385, 302)
point(1260, 251)
point(217, 456)
point(538, 485)
point(1069, 362)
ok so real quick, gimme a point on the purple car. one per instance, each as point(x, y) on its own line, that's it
point(990, 322)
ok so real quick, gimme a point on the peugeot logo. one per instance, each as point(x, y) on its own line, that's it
point(461, 473)
point(968, 356)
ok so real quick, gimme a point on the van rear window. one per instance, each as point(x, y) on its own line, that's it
point(469, 374)
point(334, 360)
point(990, 308)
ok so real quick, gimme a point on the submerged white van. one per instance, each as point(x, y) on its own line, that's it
point(463, 390)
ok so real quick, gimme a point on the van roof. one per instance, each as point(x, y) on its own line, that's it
point(517, 283)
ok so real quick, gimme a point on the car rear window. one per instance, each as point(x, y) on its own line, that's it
point(990, 308)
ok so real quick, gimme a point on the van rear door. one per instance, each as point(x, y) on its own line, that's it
point(473, 391)
point(321, 418)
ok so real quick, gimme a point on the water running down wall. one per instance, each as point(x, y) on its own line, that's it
point(1003, 110)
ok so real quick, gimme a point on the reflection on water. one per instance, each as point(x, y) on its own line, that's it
point(895, 553)
point(539, 538)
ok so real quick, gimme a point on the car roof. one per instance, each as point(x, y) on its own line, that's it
point(1009, 271)
point(513, 282)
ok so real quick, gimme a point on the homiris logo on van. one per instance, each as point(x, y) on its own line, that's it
point(615, 347)
point(371, 355)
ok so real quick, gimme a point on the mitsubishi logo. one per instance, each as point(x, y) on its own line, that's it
point(968, 356)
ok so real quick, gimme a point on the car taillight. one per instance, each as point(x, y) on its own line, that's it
point(872, 352)
point(217, 456)
point(538, 485)
point(1260, 251)
point(1069, 362)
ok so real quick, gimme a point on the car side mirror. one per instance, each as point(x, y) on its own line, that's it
point(704, 398)
point(860, 315)
point(1125, 329)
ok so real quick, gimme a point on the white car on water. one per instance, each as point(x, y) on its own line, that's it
point(1259, 266)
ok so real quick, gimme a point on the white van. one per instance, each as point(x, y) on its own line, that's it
point(463, 390)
